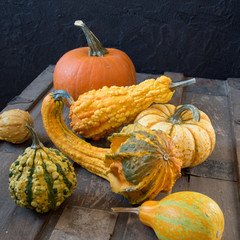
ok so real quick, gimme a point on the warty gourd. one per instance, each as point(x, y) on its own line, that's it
point(41, 178)
point(98, 113)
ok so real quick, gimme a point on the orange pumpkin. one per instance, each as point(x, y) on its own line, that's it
point(92, 67)
point(190, 129)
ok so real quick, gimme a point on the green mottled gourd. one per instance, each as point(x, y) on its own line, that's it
point(41, 178)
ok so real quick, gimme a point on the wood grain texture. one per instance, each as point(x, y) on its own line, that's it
point(209, 87)
point(234, 95)
point(217, 108)
point(79, 223)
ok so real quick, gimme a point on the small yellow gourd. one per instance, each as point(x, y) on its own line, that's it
point(12, 126)
point(41, 178)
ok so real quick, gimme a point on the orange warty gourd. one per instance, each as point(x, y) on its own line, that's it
point(92, 67)
point(139, 164)
point(182, 216)
point(190, 129)
point(98, 113)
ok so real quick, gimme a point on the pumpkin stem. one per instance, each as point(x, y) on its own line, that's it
point(95, 47)
point(176, 117)
point(123, 209)
point(36, 144)
point(175, 85)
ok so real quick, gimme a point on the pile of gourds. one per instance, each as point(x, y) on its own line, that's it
point(144, 158)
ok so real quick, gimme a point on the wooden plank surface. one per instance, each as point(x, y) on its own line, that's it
point(221, 162)
point(217, 177)
point(79, 223)
point(234, 95)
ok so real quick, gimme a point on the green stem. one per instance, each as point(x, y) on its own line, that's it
point(95, 47)
point(36, 144)
point(175, 85)
point(176, 118)
point(59, 94)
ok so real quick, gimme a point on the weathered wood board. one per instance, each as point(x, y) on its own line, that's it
point(84, 223)
point(91, 202)
point(234, 96)
point(215, 103)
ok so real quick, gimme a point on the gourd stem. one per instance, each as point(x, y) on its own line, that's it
point(175, 85)
point(36, 144)
point(59, 94)
point(176, 117)
point(95, 46)
point(123, 209)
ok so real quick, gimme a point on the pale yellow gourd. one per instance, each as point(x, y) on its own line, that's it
point(13, 126)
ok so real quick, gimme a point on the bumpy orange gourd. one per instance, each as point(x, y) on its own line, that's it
point(190, 128)
point(182, 216)
point(92, 67)
point(139, 165)
point(98, 113)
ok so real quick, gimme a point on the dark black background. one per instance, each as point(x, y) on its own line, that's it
point(198, 38)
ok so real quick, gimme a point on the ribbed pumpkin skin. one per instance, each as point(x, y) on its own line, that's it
point(194, 140)
point(76, 72)
point(98, 113)
point(184, 215)
point(41, 179)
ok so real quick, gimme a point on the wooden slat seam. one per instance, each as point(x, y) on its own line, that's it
point(235, 146)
